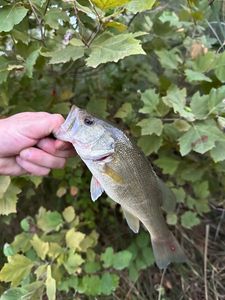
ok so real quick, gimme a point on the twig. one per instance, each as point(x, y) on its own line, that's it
point(205, 261)
point(161, 283)
point(132, 19)
point(214, 32)
point(39, 21)
point(219, 224)
point(79, 22)
point(46, 7)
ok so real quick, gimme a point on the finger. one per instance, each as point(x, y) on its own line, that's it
point(41, 158)
point(56, 147)
point(9, 166)
point(32, 168)
point(39, 124)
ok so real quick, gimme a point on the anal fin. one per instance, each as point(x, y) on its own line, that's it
point(132, 221)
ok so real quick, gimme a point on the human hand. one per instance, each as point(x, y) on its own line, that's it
point(25, 146)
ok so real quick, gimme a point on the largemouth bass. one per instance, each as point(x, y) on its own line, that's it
point(121, 170)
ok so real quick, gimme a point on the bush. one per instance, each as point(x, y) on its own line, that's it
point(156, 69)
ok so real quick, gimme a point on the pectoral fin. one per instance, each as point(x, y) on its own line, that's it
point(168, 197)
point(95, 189)
point(132, 221)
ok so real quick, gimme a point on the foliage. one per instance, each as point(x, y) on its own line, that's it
point(152, 66)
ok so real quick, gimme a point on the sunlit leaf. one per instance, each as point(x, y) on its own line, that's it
point(112, 49)
point(10, 16)
point(21, 264)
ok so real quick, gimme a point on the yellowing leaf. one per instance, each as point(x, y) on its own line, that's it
point(69, 214)
point(16, 269)
point(50, 285)
point(74, 238)
point(136, 6)
point(9, 199)
point(117, 25)
point(106, 4)
point(10, 16)
point(112, 49)
point(49, 220)
point(39, 246)
point(4, 184)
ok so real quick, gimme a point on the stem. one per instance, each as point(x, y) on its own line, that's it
point(39, 21)
point(79, 22)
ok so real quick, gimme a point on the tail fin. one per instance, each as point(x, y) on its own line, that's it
point(167, 250)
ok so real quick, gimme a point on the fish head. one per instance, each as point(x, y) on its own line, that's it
point(92, 137)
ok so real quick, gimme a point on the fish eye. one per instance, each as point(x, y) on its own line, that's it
point(88, 121)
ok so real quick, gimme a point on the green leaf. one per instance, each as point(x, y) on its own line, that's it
point(30, 62)
point(10, 16)
point(8, 250)
point(201, 189)
point(107, 257)
point(98, 106)
point(50, 285)
point(220, 67)
point(169, 59)
point(112, 49)
point(189, 219)
point(182, 125)
point(9, 199)
point(148, 256)
point(171, 17)
point(216, 101)
point(150, 143)
point(136, 6)
point(151, 126)
point(14, 294)
point(21, 264)
point(124, 111)
point(39, 246)
point(218, 152)
point(121, 259)
point(168, 164)
point(74, 238)
point(196, 76)
point(150, 99)
point(176, 98)
point(64, 55)
point(73, 262)
point(109, 283)
point(54, 16)
point(3, 69)
point(171, 218)
point(107, 4)
point(91, 285)
point(200, 138)
point(142, 240)
point(199, 105)
point(49, 221)
point(92, 267)
point(69, 214)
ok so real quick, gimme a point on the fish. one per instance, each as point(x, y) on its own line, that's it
point(121, 170)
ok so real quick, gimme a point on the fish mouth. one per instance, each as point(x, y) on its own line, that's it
point(103, 158)
point(63, 133)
